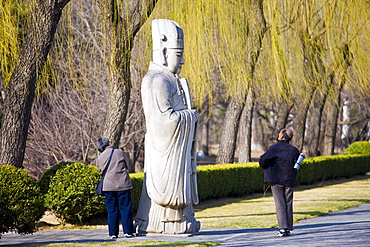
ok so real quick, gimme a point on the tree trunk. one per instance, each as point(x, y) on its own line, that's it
point(122, 20)
point(331, 125)
point(116, 112)
point(314, 126)
point(226, 151)
point(20, 91)
point(281, 120)
point(300, 123)
point(245, 137)
point(203, 136)
point(333, 106)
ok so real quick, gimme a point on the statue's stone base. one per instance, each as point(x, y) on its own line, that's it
point(154, 218)
point(160, 227)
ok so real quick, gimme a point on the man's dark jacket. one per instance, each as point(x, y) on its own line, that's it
point(278, 162)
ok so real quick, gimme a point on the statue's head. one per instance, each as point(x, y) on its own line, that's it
point(168, 44)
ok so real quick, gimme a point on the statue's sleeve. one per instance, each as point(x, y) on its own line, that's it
point(162, 118)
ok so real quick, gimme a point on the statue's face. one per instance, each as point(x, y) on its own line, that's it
point(175, 60)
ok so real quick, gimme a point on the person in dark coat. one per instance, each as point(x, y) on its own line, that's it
point(278, 162)
point(117, 189)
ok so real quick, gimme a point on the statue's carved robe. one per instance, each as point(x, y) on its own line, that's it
point(170, 186)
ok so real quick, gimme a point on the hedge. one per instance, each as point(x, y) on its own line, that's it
point(330, 167)
point(137, 183)
point(71, 194)
point(21, 203)
point(44, 181)
point(217, 181)
point(214, 181)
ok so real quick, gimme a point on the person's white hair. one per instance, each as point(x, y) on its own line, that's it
point(102, 143)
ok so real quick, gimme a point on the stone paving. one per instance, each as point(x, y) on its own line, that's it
point(350, 227)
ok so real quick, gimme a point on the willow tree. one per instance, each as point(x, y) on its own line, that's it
point(273, 72)
point(294, 47)
point(122, 20)
point(326, 32)
point(293, 71)
point(313, 45)
point(309, 28)
point(256, 27)
point(223, 37)
point(19, 90)
point(345, 21)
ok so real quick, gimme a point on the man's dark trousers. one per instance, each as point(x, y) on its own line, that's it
point(283, 197)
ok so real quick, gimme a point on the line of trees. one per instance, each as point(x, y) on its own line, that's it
point(254, 67)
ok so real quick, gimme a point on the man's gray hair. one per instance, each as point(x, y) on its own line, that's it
point(102, 143)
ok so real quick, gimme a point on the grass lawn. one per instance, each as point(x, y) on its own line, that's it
point(310, 201)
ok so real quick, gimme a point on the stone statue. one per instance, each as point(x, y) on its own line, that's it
point(170, 183)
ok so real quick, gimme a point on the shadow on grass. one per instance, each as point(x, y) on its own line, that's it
point(234, 216)
point(335, 181)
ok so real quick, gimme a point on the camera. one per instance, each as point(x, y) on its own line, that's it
point(299, 161)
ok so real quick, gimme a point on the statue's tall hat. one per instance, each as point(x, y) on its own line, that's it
point(167, 34)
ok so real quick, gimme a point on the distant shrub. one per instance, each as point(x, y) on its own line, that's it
point(21, 203)
point(71, 195)
point(44, 181)
point(362, 147)
point(137, 183)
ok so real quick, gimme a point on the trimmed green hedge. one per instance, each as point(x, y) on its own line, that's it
point(214, 181)
point(217, 181)
point(330, 167)
point(137, 183)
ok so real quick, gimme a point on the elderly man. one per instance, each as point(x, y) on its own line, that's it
point(278, 162)
point(170, 186)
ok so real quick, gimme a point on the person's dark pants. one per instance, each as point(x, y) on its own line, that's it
point(283, 197)
point(118, 204)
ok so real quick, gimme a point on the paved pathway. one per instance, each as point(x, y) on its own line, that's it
point(350, 227)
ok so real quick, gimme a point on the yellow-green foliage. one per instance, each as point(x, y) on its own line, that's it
point(361, 147)
point(12, 19)
point(219, 39)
